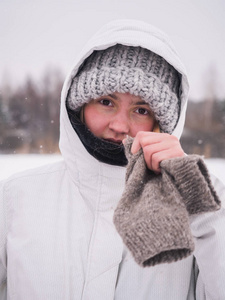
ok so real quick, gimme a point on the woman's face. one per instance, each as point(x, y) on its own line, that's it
point(114, 116)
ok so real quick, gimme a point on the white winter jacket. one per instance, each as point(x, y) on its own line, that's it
point(57, 238)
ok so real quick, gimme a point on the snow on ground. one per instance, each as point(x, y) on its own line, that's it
point(10, 164)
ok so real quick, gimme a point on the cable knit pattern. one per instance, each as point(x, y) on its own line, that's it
point(130, 69)
point(152, 216)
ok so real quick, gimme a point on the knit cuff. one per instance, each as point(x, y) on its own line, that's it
point(190, 176)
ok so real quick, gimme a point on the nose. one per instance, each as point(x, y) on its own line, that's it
point(119, 123)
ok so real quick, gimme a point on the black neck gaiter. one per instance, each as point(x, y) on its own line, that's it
point(102, 150)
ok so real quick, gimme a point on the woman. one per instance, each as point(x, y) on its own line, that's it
point(58, 238)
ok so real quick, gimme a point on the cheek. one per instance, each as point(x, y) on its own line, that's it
point(145, 126)
point(94, 120)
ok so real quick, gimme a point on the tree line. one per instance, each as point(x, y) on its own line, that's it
point(29, 115)
point(204, 131)
point(29, 119)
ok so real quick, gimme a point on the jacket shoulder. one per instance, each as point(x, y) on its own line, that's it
point(52, 168)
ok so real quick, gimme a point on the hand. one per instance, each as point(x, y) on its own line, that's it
point(156, 148)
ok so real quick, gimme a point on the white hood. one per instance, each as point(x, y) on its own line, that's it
point(130, 33)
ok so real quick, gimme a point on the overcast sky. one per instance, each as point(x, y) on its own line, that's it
point(35, 34)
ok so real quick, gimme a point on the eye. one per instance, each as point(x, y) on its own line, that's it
point(142, 111)
point(105, 102)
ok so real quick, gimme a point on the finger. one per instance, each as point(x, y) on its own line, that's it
point(155, 153)
point(158, 157)
point(136, 146)
point(160, 142)
point(144, 138)
point(124, 141)
point(150, 150)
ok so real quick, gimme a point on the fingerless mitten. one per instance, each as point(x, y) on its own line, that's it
point(152, 216)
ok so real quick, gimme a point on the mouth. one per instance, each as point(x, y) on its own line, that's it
point(114, 141)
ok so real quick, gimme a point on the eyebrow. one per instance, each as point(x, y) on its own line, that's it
point(113, 96)
point(142, 102)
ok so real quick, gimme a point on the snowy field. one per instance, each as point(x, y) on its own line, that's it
point(10, 164)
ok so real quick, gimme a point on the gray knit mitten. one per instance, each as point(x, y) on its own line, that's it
point(152, 216)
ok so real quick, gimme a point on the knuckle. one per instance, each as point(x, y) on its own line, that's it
point(156, 159)
point(140, 135)
point(174, 138)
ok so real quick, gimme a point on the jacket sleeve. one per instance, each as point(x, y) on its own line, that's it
point(208, 230)
point(204, 198)
point(2, 243)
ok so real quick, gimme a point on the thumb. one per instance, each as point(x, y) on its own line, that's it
point(136, 146)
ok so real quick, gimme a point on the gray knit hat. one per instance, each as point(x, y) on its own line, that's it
point(135, 70)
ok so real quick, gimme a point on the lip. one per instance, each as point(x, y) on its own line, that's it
point(114, 141)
